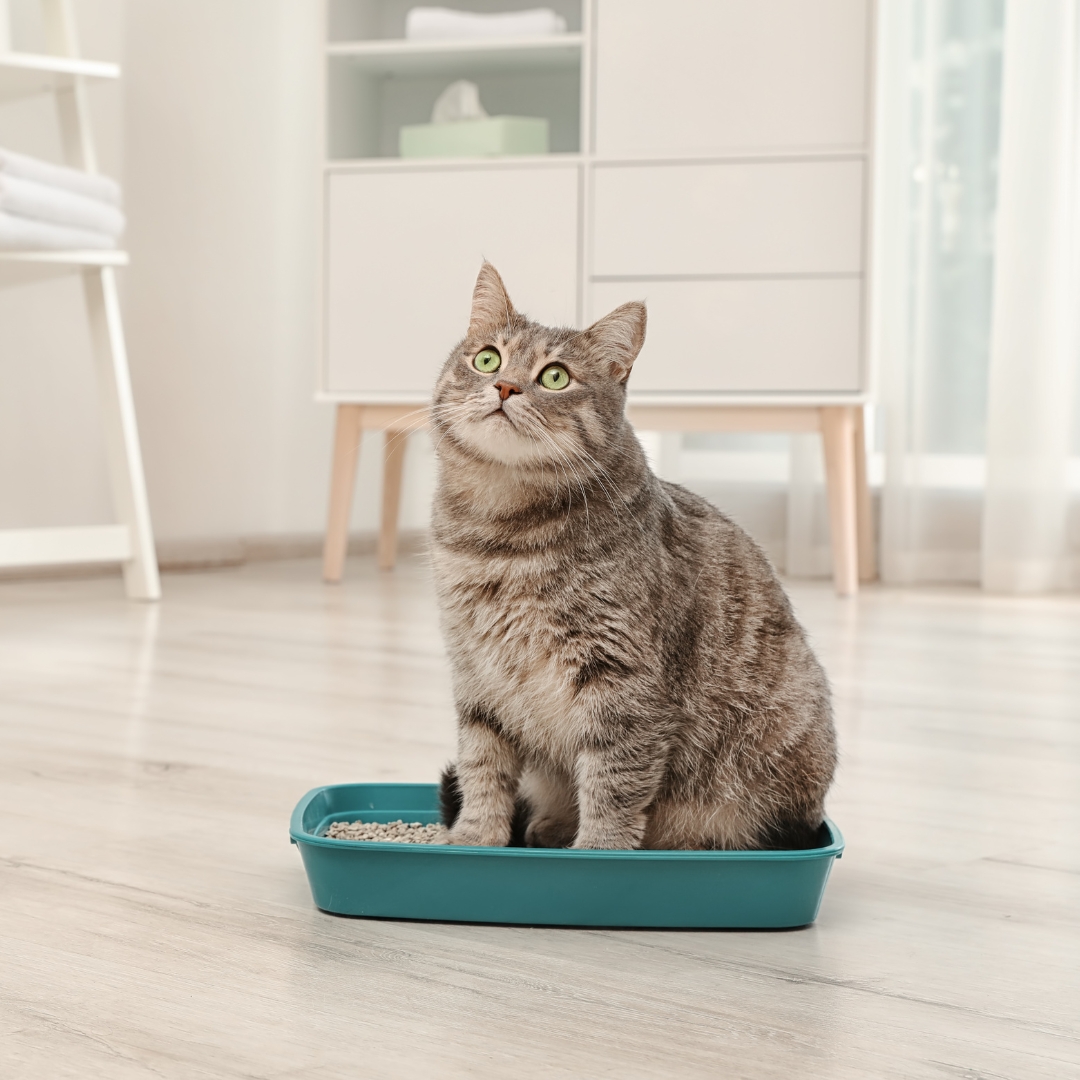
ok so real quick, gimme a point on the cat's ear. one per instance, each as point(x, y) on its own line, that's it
point(491, 305)
point(618, 337)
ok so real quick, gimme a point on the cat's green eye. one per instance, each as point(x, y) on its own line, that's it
point(555, 377)
point(487, 361)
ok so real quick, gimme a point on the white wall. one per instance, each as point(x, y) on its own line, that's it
point(212, 132)
point(52, 466)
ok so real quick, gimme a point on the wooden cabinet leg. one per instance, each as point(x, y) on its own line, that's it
point(838, 435)
point(348, 431)
point(393, 470)
point(863, 507)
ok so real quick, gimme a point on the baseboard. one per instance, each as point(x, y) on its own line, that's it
point(219, 552)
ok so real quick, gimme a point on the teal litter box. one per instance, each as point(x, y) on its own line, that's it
point(545, 886)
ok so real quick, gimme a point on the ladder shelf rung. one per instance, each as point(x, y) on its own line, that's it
point(23, 267)
point(27, 74)
point(69, 544)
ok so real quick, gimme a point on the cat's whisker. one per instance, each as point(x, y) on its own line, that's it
point(596, 474)
point(439, 412)
point(444, 413)
point(600, 471)
point(567, 454)
point(401, 433)
point(576, 475)
point(442, 437)
point(537, 429)
point(567, 464)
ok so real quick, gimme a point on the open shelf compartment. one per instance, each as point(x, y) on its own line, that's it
point(378, 82)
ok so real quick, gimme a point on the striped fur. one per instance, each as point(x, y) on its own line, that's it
point(625, 662)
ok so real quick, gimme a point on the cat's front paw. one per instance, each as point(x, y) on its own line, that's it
point(549, 832)
point(477, 834)
point(616, 842)
point(611, 836)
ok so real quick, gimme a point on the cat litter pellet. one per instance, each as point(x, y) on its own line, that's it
point(394, 832)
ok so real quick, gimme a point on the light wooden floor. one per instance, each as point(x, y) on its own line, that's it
point(155, 922)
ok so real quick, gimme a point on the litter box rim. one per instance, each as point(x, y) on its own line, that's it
point(300, 835)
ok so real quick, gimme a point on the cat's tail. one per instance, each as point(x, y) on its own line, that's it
point(449, 795)
point(450, 806)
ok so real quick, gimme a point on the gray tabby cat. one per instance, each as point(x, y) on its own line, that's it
point(628, 670)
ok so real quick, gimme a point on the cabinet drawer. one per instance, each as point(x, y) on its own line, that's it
point(712, 76)
point(744, 336)
point(403, 251)
point(745, 218)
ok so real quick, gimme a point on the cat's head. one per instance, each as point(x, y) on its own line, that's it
point(516, 393)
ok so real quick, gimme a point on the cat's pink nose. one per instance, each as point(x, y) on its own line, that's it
point(506, 389)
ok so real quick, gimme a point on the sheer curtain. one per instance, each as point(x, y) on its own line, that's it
point(938, 123)
point(1032, 417)
point(977, 291)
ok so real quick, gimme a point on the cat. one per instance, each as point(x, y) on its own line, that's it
point(627, 668)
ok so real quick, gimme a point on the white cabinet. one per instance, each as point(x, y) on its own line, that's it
point(795, 217)
point(683, 77)
point(744, 336)
point(752, 273)
point(403, 249)
point(709, 156)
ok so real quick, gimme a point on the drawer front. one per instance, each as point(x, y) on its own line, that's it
point(403, 251)
point(714, 76)
point(744, 336)
point(745, 218)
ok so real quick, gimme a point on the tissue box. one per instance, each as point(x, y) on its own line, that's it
point(486, 137)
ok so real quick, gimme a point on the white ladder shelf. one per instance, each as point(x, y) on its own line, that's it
point(130, 542)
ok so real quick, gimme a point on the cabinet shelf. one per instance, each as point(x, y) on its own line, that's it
point(27, 74)
point(445, 164)
point(555, 53)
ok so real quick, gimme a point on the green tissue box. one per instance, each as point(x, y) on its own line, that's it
point(489, 136)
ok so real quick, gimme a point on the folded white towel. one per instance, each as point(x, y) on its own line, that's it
point(55, 206)
point(435, 24)
point(89, 185)
point(27, 234)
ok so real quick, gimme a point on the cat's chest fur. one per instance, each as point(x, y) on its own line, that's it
point(516, 637)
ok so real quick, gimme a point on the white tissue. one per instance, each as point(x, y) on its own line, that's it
point(440, 24)
point(459, 101)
